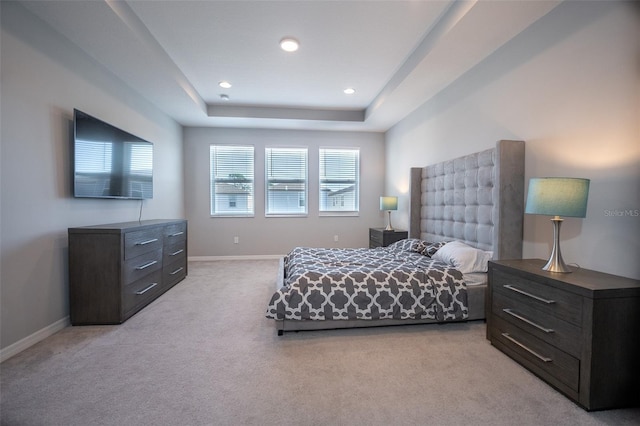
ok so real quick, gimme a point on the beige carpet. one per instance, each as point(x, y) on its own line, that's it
point(204, 354)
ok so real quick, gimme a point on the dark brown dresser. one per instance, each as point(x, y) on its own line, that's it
point(379, 237)
point(117, 269)
point(580, 332)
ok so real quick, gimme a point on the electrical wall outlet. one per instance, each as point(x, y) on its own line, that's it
point(236, 240)
point(335, 238)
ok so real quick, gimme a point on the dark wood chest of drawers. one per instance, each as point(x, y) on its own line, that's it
point(379, 237)
point(117, 269)
point(580, 332)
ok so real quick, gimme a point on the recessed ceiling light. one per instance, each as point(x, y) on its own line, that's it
point(224, 97)
point(289, 44)
point(349, 91)
point(224, 84)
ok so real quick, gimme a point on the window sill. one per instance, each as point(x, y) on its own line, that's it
point(339, 214)
point(286, 215)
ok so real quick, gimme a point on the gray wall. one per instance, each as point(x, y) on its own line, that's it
point(569, 86)
point(277, 235)
point(43, 77)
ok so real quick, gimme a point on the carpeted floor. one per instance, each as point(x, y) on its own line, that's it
point(204, 354)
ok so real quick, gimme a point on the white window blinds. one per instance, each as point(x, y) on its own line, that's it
point(232, 187)
point(286, 181)
point(339, 180)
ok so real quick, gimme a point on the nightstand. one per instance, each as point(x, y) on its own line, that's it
point(379, 237)
point(579, 332)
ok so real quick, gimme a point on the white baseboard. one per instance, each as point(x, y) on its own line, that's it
point(32, 339)
point(247, 257)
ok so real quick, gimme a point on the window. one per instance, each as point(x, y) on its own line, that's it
point(339, 180)
point(286, 182)
point(231, 180)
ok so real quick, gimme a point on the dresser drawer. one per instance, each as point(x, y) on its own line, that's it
point(141, 292)
point(552, 301)
point(138, 267)
point(175, 233)
point(549, 328)
point(549, 362)
point(174, 252)
point(143, 241)
point(376, 237)
point(174, 272)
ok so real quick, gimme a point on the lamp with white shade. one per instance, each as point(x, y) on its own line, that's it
point(557, 196)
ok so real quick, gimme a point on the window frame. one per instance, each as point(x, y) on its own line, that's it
point(212, 193)
point(305, 191)
point(356, 211)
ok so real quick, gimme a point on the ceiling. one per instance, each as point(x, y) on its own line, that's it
point(396, 54)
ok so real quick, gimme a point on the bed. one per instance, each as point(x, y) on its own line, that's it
point(471, 205)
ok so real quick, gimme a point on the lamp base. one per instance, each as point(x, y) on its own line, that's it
point(555, 263)
point(389, 227)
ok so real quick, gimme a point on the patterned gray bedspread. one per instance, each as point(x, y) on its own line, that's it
point(395, 282)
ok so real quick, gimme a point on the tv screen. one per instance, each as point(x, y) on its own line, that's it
point(109, 162)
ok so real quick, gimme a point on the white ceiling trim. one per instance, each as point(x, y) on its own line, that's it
point(285, 113)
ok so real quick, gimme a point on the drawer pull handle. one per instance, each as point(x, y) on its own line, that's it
point(176, 252)
point(531, 351)
point(177, 234)
point(146, 265)
point(528, 321)
point(533, 296)
point(139, 292)
point(144, 243)
point(176, 271)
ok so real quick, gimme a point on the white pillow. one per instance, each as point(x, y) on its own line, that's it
point(463, 257)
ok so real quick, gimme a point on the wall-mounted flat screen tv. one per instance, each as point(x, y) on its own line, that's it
point(109, 162)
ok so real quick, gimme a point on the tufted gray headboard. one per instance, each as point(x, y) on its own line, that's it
point(478, 199)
